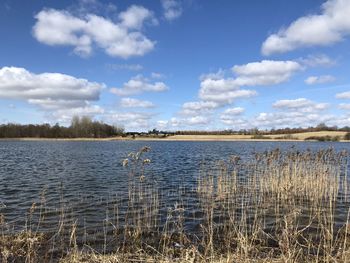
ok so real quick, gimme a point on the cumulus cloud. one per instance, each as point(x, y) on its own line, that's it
point(130, 67)
point(135, 103)
point(344, 106)
point(48, 88)
point(135, 16)
point(118, 39)
point(65, 115)
point(139, 84)
point(172, 9)
point(216, 88)
point(289, 119)
point(222, 91)
point(327, 28)
point(156, 75)
point(343, 95)
point(130, 120)
point(230, 116)
point(266, 72)
point(198, 107)
point(300, 104)
point(319, 60)
point(184, 123)
point(319, 79)
point(60, 95)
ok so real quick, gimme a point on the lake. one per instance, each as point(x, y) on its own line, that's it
point(88, 178)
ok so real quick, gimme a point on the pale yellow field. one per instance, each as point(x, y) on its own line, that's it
point(294, 137)
point(275, 137)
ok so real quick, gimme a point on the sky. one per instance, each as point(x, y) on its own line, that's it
point(176, 64)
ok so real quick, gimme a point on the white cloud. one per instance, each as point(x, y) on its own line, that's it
point(227, 97)
point(65, 115)
point(222, 91)
point(135, 103)
point(60, 95)
point(344, 106)
point(317, 60)
point(136, 121)
point(301, 105)
point(230, 116)
point(343, 95)
point(18, 83)
point(50, 104)
point(216, 88)
point(319, 79)
point(198, 107)
point(122, 39)
point(289, 119)
point(135, 16)
point(234, 111)
point(130, 67)
point(172, 9)
point(156, 75)
point(139, 84)
point(327, 28)
point(196, 120)
point(266, 72)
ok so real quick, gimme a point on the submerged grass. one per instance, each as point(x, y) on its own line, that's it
point(274, 207)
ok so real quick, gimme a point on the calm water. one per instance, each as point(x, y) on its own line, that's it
point(86, 176)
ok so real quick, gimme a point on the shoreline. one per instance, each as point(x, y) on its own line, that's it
point(296, 137)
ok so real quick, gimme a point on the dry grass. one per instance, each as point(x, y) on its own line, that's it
point(276, 207)
point(282, 137)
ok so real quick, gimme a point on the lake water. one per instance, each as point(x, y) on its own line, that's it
point(87, 176)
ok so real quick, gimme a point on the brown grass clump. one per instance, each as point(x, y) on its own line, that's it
point(274, 207)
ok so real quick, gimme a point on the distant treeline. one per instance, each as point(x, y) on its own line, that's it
point(81, 127)
point(256, 131)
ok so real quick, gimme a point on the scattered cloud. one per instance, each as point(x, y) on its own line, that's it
point(198, 107)
point(344, 106)
point(289, 119)
point(230, 116)
point(135, 16)
point(222, 91)
point(172, 9)
point(19, 83)
point(184, 123)
point(343, 95)
point(118, 39)
point(139, 84)
point(135, 103)
point(329, 27)
point(65, 115)
point(60, 95)
point(234, 111)
point(320, 60)
point(129, 67)
point(135, 121)
point(319, 79)
point(300, 105)
point(265, 72)
point(156, 75)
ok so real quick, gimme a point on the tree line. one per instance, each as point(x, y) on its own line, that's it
point(80, 127)
point(256, 131)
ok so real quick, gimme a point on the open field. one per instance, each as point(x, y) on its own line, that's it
point(276, 137)
point(275, 207)
point(282, 137)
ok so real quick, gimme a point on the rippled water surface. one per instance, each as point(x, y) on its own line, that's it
point(87, 176)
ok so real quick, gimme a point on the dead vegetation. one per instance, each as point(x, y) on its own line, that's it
point(274, 207)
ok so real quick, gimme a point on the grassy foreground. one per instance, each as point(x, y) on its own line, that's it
point(275, 207)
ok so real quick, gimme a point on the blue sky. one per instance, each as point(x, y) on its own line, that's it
point(176, 64)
